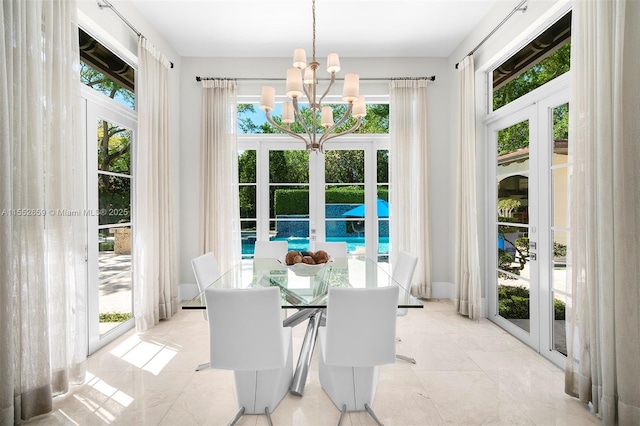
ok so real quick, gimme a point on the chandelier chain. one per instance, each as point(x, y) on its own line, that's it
point(313, 9)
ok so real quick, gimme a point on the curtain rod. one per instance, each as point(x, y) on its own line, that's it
point(432, 78)
point(108, 5)
point(515, 9)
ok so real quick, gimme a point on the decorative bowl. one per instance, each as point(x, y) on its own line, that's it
point(304, 269)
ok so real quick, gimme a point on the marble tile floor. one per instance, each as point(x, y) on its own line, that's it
point(467, 373)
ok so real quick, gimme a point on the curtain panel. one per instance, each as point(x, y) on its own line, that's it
point(468, 284)
point(155, 272)
point(408, 169)
point(43, 270)
point(603, 321)
point(219, 204)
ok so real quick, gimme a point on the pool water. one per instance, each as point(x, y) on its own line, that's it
point(301, 244)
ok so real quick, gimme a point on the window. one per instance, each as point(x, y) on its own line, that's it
point(537, 63)
point(287, 193)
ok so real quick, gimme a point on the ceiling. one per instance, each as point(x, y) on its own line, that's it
point(351, 28)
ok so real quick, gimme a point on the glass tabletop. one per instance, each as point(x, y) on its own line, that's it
point(307, 286)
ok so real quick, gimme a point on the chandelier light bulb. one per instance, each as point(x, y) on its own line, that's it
point(308, 76)
point(327, 116)
point(287, 112)
point(268, 98)
point(351, 87)
point(359, 107)
point(333, 63)
point(299, 58)
point(294, 83)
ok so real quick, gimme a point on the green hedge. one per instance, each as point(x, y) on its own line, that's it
point(513, 303)
point(296, 201)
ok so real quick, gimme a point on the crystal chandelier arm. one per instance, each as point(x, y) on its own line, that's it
point(283, 129)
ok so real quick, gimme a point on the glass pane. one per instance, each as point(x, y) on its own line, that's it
point(114, 148)
point(295, 232)
point(560, 246)
point(561, 126)
point(249, 237)
point(543, 59)
point(513, 301)
point(513, 251)
point(247, 198)
point(288, 201)
point(252, 120)
point(114, 199)
point(560, 191)
point(559, 327)
point(561, 291)
point(344, 166)
point(114, 277)
point(102, 83)
point(247, 166)
point(289, 166)
point(513, 173)
point(383, 165)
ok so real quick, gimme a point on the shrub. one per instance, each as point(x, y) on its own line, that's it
point(513, 303)
point(115, 316)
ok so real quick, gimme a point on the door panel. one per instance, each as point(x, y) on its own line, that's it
point(528, 288)
point(110, 138)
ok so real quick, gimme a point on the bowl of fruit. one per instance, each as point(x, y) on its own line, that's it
point(306, 263)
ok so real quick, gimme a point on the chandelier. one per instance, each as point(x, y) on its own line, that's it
point(297, 86)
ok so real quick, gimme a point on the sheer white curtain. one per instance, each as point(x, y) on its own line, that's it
point(219, 206)
point(408, 167)
point(42, 252)
point(603, 337)
point(155, 273)
point(468, 285)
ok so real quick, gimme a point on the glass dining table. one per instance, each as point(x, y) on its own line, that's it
point(304, 293)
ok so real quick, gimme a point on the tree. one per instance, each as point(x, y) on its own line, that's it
point(517, 136)
point(114, 147)
point(376, 120)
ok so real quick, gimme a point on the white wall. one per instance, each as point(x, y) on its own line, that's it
point(519, 30)
point(440, 139)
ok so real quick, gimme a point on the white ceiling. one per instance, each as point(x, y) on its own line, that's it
point(351, 28)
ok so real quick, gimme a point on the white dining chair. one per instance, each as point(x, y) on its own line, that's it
point(402, 273)
point(247, 336)
point(206, 270)
point(335, 249)
point(359, 336)
point(270, 249)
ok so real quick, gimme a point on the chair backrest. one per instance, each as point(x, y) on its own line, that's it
point(361, 326)
point(270, 249)
point(245, 329)
point(404, 269)
point(336, 249)
point(206, 270)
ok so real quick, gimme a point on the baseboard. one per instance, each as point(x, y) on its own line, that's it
point(442, 290)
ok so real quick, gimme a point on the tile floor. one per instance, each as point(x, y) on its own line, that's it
point(467, 373)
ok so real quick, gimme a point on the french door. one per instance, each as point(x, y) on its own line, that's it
point(296, 194)
point(528, 210)
point(110, 132)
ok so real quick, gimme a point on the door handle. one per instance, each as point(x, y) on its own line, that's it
point(533, 256)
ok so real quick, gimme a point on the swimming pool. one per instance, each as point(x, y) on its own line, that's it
point(301, 244)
